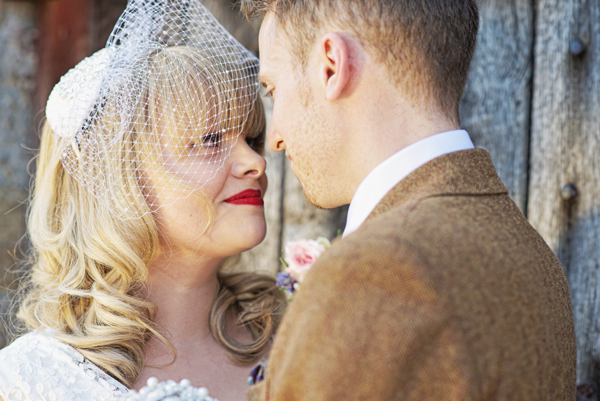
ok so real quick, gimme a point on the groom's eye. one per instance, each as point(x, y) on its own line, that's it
point(257, 143)
point(269, 93)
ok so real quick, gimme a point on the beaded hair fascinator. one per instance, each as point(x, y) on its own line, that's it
point(153, 116)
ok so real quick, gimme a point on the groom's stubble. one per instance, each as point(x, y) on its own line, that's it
point(317, 153)
point(303, 166)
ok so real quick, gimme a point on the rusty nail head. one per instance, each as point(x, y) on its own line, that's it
point(585, 392)
point(568, 192)
point(577, 48)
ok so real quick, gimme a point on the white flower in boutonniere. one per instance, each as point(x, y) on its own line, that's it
point(298, 258)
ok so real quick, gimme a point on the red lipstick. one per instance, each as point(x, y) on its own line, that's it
point(247, 197)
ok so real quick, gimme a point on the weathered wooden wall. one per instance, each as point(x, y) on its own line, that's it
point(564, 189)
point(17, 85)
point(496, 105)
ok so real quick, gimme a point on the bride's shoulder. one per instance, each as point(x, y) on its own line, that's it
point(32, 343)
point(37, 365)
point(33, 350)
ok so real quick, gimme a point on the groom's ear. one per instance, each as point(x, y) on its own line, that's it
point(334, 60)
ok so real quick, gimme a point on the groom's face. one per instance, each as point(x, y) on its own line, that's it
point(300, 124)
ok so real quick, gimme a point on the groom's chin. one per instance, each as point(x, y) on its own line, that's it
point(321, 202)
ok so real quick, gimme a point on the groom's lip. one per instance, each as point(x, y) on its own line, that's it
point(247, 197)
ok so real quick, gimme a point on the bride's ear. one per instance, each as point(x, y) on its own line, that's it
point(334, 60)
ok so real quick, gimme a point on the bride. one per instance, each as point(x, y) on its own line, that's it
point(149, 176)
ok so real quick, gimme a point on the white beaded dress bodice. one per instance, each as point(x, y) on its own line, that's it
point(38, 367)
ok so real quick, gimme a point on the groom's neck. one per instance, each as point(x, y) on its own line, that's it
point(387, 124)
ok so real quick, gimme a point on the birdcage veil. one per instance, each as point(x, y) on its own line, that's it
point(157, 110)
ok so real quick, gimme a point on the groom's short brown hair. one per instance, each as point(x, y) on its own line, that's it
point(427, 45)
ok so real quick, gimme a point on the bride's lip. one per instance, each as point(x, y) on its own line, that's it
point(246, 197)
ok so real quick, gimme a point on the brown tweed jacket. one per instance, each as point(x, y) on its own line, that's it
point(444, 293)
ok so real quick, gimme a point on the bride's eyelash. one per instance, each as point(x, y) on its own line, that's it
point(212, 140)
point(207, 141)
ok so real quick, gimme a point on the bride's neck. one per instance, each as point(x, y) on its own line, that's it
point(183, 289)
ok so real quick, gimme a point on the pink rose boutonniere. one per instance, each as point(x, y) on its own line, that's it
point(298, 258)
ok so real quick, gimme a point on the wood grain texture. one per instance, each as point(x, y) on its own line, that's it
point(496, 104)
point(18, 63)
point(565, 149)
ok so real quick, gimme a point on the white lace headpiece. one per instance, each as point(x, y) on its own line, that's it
point(153, 116)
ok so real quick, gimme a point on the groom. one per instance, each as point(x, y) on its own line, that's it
point(440, 289)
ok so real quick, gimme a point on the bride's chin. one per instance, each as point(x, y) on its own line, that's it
point(253, 240)
point(234, 236)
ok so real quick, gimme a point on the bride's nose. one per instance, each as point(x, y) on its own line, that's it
point(246, 161)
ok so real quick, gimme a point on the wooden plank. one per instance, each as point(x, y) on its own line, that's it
point(565, 150)
point(17, 85)
point(105, 16)
point(496, 104)
point(63, 40)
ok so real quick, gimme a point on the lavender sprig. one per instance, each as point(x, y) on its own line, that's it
point(285, 282)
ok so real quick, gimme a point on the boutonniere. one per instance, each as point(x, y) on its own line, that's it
point(298, 257)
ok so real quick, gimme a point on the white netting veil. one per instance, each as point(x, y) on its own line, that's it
point(153, 116)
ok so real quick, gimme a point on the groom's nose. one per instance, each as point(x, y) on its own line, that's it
point(275, 142)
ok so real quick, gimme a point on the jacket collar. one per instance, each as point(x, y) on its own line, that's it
point(468, 172)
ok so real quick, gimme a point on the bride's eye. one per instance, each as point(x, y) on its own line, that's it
point(212, 140)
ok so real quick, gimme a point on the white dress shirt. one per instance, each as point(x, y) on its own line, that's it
point(385, 176)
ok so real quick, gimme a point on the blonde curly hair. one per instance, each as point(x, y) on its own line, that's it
point(89, 267)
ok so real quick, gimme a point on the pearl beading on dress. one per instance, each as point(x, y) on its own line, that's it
point(169, 391)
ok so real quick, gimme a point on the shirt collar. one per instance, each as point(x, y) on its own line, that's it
point(386, 175)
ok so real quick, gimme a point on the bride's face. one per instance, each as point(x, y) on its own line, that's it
point(233, 194)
